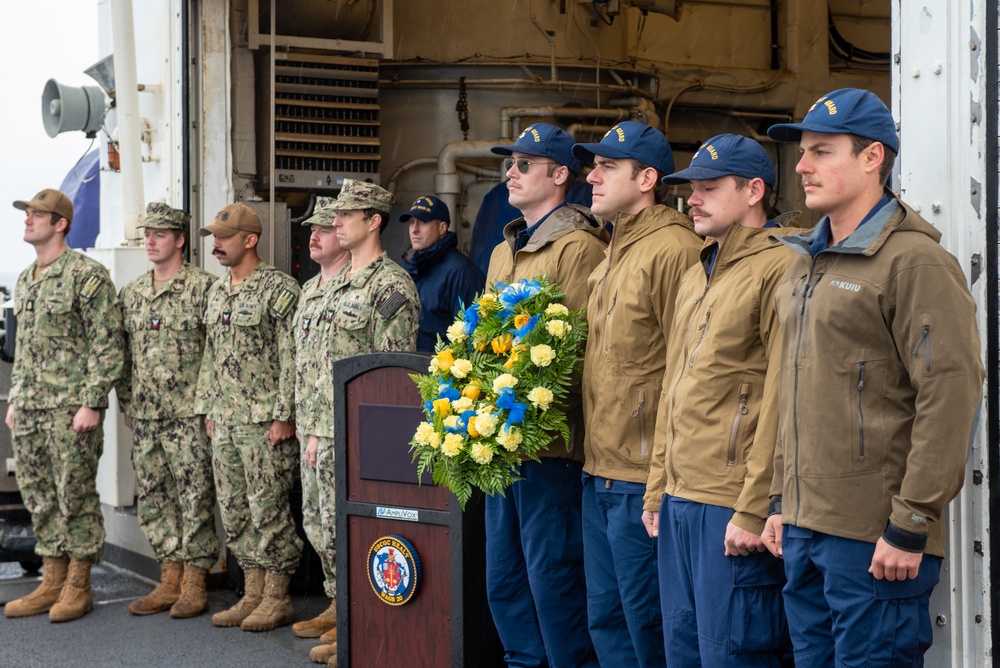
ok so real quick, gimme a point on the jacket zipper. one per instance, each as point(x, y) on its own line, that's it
point(668, 462)
point(640, 413)
point(861, 413)
point(741, 410)
point(795, 396)
point(925, 340)
point(704, 330)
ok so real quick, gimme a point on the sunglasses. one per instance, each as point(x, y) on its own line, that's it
point(523, 164)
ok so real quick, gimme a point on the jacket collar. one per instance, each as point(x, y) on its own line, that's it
point(633, 227)
point(418, 262)
point(559, 223)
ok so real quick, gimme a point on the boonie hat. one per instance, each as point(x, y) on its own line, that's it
point(546, 141)
point(845, 111)
point(631, 139)
point(427, 208)
point(231, 219)
point(360, 195)
point(727, 155)
point(50, 200)
point(162, 216)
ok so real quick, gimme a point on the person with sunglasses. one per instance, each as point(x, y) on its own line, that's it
point(534, 548)
point(629, 315)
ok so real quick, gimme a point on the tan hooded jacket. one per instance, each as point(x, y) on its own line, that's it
point(630, 312)
point(566, 247)
point(880, 384)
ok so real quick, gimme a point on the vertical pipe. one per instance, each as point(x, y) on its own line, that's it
point(991, 197)
point(127, 106)
point(271, 134)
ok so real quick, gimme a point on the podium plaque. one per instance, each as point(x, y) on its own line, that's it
point(411, 566)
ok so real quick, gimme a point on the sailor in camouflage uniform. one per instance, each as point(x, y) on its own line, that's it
point(247, 388)
point(312, 325)
point(69, 354)
point(163, 314)
point(371, 306)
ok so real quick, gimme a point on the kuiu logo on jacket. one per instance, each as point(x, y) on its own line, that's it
point(844, 285)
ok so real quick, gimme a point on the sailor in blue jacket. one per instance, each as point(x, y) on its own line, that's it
point(442, 273)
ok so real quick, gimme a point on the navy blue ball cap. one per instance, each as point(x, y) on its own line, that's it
point(546, 141)
point(846, 111)
point(427, 208)
point(727, 155)
point(631, 139)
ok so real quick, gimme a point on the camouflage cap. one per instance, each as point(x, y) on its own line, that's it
point(231, 219)
point(162, 216)
point(322, 216)
point(360, 195)
point(50, 200)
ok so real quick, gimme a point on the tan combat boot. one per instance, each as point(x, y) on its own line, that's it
point(319, 625)
point(164, 595)
point(193, 599)
point(253, 588)
point(45, 594)
point(76, 598)
point(276, 608)
point(328, 637)
point(324, 653)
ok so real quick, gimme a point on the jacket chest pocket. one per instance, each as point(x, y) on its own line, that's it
point(866, 385)
point(54, 317)
point(352, 319)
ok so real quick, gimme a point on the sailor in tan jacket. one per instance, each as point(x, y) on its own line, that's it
point(629, 319)
point(534, 552)
point(880, 384)
point(708, 484)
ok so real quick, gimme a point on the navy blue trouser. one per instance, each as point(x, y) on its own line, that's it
point(840, 615)
point(534, 567)
point(718, 611)
point(623, 590)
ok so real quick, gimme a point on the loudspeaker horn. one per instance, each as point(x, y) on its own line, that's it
point(66, 108)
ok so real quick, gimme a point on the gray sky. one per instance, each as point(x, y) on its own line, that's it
point(38, 41)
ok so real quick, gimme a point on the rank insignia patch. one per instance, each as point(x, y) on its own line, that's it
point(226, 316)
point(394, 570)
point(91, 287)
point(154, 324)
point(284, 303)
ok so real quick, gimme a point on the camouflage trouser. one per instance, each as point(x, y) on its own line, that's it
point(173, 466)
point(252, 480)
point(56, 471)
point(317, 505)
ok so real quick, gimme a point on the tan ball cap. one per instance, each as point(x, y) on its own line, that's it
point(231, 219)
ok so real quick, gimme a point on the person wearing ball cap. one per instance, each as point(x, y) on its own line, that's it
point(534, 550)
point(444, 276)
point(69, 353)
point(629, 316)
point(880, 382)
point(246, 390)
point(707, 489)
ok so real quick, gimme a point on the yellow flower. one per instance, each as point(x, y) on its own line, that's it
point(542, 355)
point(509, 439)
point(445, 359)
point(556, 309)
point(501, 344)
point(456, 332)
point(502, 381)
point(521, 319)
point(461, 405)
point(558, 328)
point(434, 440)
point(473, 432)
point(512, 360)
point(485, 302)
point(486, 424)
point(434, 366)
point(486, 408)
point(541, 397)
point(481, 345)
point(424, 432)
point(471, 390)
point(442, 407)
point(461, 368)
point(483, 454)
point(451, 422)
point(452, 445)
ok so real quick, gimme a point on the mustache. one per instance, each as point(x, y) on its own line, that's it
point(698, 211)
point(218, 252)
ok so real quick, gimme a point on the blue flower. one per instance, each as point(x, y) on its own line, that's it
point(446, 391)
point(526, 328)
point(517, 293)
point(505, 401)
point(471, 319)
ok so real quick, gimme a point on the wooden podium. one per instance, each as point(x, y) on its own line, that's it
point(391, 610)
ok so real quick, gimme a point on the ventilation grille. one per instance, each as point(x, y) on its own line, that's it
point(326, 121)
